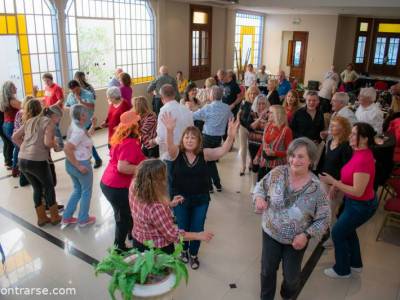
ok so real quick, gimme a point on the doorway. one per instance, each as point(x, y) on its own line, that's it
point(294, 54)
point(10, 62)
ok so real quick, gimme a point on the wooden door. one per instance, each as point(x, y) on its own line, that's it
point(297, 55)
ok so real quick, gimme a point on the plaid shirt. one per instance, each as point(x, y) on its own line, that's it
point(153, 221)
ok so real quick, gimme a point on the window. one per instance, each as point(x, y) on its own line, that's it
point(105, 34)
point(393, 51)
point(360, 49)
point(379, 50)
point(362, 37)
point(200, 42)
point(34, 23)
point(248, 39)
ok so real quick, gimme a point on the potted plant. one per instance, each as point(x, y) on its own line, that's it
point(152, 274)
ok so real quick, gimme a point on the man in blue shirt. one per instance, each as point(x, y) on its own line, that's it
point(79, 95)
point(115, 80)
point(215, 116)
point(284, 85)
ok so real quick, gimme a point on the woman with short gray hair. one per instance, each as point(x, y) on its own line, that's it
point(369, 111)
point(295, 209)
point(117, 106)
point(78, 151)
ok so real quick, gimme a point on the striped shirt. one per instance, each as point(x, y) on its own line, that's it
point(148, 128)
point(290, 213)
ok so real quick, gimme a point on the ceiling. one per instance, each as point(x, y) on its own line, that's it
point(377, 8)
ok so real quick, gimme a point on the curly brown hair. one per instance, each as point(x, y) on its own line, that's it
point(150, 184)
point(346, 128)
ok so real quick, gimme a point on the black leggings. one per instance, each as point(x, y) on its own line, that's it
point(119, 200)
point(39, 175)
point(169, 249)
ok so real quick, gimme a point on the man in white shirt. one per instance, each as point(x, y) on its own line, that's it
point(369, 111)
point(183, 118)
point(250, 77)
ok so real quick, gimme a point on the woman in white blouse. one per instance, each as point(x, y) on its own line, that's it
point(78, 151)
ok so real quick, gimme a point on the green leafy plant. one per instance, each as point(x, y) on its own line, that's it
point(151, 266)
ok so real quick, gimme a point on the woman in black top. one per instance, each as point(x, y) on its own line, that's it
point(191, 179)
point(337, 153)
point(273, 95)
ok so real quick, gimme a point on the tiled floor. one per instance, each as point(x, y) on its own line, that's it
point(233, 256)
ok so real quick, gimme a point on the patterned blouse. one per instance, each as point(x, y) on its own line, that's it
point(290, 213)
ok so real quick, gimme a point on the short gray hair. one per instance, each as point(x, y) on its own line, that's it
point(368, 92)
point(216, 93)
point(76, 112)
point(167, 91)
point(311, 93)
point(311, 149)
point(113, 92)
point(342, 97)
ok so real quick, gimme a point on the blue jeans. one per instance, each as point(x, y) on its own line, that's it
point(8, 128)
point(59, 136)
point(344, 234)
point(82, 191)
point(191, 218)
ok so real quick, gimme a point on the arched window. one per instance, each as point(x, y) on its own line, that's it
point(105, 34)
point(28, 37)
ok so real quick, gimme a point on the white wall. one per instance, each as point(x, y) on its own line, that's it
point(286, 37)
point(321, 42)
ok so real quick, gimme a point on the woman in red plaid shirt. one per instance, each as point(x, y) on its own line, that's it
point(151, 210)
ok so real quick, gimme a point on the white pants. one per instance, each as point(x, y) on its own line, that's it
point(243, 138)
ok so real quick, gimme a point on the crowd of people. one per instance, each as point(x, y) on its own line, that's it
point(312, 165)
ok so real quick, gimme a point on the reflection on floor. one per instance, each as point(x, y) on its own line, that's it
point(232, 257)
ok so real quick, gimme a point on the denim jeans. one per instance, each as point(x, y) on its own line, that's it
point(8, 128)
point(191, 218)
point(59, 136)
point(82, 191)
point(344, 234)
point(119, 200)
point(273, 253)
point(212, 142)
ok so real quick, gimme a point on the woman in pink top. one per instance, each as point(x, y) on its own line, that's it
point(357, 183)
point(125, 88)
point(125, 155)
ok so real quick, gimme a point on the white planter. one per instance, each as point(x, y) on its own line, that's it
point(162, 290)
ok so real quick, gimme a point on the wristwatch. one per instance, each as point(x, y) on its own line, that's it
point(307, 235)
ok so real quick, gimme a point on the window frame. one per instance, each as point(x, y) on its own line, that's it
point(199, 72)
point(360, 67)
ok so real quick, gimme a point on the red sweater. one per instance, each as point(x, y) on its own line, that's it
point(114, 113)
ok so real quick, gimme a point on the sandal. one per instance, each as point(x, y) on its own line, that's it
point(184, 256)
point(194, 262)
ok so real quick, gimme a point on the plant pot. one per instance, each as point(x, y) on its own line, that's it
point(162, 290)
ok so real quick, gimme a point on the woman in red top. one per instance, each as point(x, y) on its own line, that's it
point(151, 210)
point(276, 139)
point(291, 104)
point(117, 106)
point(9, 106)
point(357, 183)
point(125, 156)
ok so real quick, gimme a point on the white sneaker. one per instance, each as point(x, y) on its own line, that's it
point(330, 272)
point(357, 270)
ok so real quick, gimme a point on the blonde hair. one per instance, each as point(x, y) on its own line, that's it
point(31, 108)
point(210, 81)
point(274, 82)
point(395, 106)
point(150, 184)
point(250, 90)
point(279, 115)
point(140, 105)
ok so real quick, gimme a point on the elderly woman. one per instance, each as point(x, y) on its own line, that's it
point(78, 151)
point(273, 95)
point(9, 106)
point(125, 156)
point(244, 115)
point(117, 106)
point(295, 209)
point(35, 138)
point(291, 104)
point(147, 127)
point(276, 139)
point(369, 111)
point(360, 203)
point(126, 88)
point(203, 94)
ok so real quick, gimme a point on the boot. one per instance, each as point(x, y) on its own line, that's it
point(42, 217)
point(54, 216)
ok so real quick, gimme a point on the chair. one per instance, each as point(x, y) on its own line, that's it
point(392, 206)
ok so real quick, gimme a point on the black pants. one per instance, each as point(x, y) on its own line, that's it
point(157, 104)
point(38, 173)
point(273, 253)
point(212, 142)
point(152, 152)
point(119, 200)
point(253, 149)
point(8, 148)
point(167, 249)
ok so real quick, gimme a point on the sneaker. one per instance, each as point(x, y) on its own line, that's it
point(91, 220)
point(69, 221)
point(97, 164)
point(330, 272)
point(357, 270)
